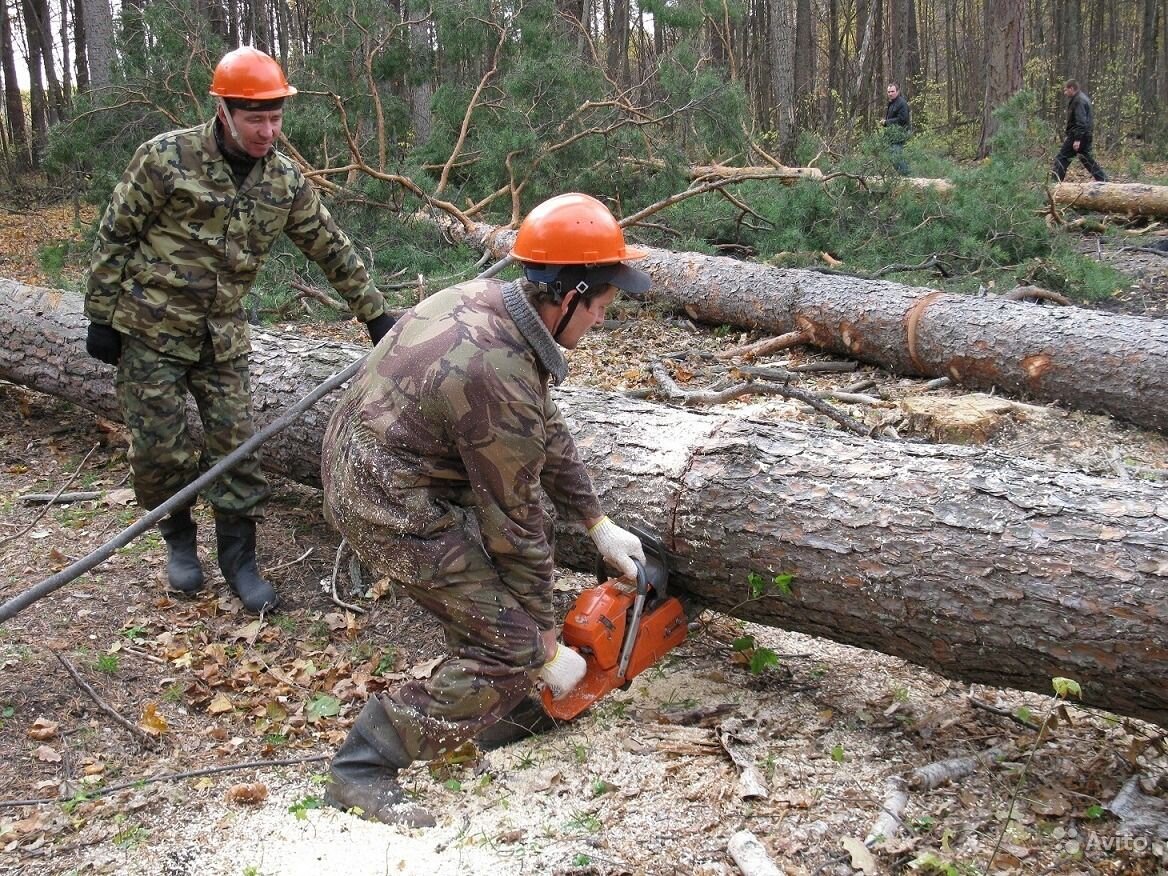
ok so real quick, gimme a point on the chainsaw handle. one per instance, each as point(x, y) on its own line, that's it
point(603, 575)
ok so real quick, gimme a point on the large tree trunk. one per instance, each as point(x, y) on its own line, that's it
point(1085, 359)
point(981, 567)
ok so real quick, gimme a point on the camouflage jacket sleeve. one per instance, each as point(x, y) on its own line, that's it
point(501, 436)
point(564, 478)
point(137, 199)
point(316, 234)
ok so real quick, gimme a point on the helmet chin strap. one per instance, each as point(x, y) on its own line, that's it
point(573, 303)
point(238, 143)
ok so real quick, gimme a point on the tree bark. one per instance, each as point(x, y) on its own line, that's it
point(1003, 63)
point(1090, 360)
point(99, 41)
point(981, 567)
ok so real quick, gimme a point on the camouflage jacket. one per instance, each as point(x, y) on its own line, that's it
point(180, 245)
point(453, 411)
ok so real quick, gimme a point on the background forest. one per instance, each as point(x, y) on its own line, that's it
point(481, 109)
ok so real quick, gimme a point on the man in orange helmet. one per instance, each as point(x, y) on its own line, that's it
point(187, 229)
point(434, 464)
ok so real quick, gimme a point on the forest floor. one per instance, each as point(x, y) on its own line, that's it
point(198, 741)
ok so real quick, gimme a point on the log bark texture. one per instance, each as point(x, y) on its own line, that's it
point(1084, 359)
point(983, 568)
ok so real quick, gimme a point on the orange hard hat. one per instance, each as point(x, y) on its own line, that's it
point(572, 229)
point(250, 74)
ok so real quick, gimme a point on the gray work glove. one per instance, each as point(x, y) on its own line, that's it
point(618, 546)
point(564, 671)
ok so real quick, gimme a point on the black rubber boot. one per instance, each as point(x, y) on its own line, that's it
point(237, 562)
point(363, 773)
point(184, 573)
point(524, 721)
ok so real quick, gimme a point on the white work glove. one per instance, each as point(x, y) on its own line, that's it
point(564, 671)
point(619, 546)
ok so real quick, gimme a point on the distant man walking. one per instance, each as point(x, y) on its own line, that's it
point(897, 124)
point(1080, 130)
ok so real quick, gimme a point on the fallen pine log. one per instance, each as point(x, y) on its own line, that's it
point(981, 567)
point(1084, 359)
point(1125, 199)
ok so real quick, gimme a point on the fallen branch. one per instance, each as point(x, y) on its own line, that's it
point(764, 347)
point(925, 778)
point(49, 503)
point(134, 730)
point(58, 498)
point(173, 777)
point(333, 594)
point(697, 399)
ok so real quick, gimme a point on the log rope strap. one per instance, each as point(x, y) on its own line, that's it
point(914, 317)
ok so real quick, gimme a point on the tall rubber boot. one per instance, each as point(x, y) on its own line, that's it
point(184, 572)
point(524, 721)
point(363, 773)
point(237, 561)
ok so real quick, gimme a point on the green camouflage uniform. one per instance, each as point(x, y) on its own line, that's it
point(177, 250)
point(433, 467)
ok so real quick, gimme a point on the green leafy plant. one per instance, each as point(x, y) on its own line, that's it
point(760, 586)
point(107, 663)
point(759, 658)
point(1063, 689)
point(301, 807)
point(837, 753)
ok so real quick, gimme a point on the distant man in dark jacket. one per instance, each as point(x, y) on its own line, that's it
point(1080, 129)
point(897, 126)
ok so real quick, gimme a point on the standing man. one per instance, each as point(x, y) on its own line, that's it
point(1079, 134)
point(897, 126)
point(185, 234)
point(433, 466)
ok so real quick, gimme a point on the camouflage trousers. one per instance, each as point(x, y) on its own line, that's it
point(495, 645)
point(152, 390)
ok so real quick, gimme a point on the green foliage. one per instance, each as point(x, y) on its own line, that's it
point(301, 807)
point(107, 663)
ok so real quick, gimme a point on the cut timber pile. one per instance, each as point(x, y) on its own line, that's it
point(981, 567)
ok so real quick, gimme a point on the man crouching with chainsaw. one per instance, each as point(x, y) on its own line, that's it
point(433, 465)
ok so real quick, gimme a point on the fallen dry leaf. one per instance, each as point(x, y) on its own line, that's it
point(862, 858)
point(248, 793)
point(152, 722)
point(424, 670)
point(220, 704)
point(42, 729)
point(47, 754)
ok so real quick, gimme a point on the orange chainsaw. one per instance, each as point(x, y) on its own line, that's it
point(620, 634)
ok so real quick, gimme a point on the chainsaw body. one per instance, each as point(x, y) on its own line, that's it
point(620, 634)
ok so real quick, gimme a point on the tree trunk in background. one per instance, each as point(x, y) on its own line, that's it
point(56, 107)
point(37, 105)
point(898, 41)
point(979, 566)
point(782, 43)
point(80, 61)
point(13, 103)
point(421, 92)
point(1086, 359)
point(1003, 62)
point(617, 40)
point(805, 70)
point(1149, 104)
point(99, 41)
